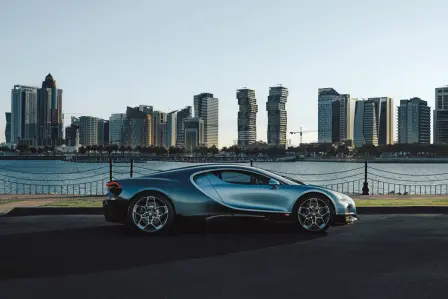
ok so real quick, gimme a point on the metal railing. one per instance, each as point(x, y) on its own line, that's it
point(91, 180)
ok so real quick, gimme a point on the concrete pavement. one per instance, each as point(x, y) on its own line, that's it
point(387, 256)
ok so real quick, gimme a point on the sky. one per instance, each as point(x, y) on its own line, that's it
point(109, 54)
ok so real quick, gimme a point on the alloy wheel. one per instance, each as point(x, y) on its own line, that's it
point(314, 214)
point(150, 213)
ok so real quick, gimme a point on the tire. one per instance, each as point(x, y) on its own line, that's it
point(310, 219)
point(157, 219)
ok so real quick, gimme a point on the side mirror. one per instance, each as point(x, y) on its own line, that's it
point(273, 183)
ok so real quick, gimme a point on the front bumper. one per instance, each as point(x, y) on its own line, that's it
point(346, 218)
point(115, 210)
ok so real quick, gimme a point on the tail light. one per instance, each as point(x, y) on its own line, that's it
point(114, 188)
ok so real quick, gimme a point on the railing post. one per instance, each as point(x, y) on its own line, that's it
point(132, 167)
point(365, 187)
point(251, 162)
point(110, 170)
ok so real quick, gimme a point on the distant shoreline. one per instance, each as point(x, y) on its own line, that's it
point(86, 159)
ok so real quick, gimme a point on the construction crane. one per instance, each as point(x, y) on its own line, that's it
point(301, 133)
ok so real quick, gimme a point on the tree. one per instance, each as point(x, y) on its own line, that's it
point(33, 150)
point(213, 150)
point(82, 150)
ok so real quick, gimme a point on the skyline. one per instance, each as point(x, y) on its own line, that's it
point(370, 50)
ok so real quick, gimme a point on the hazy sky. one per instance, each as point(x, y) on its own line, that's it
point(109, 54)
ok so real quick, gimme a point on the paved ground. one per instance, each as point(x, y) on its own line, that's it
point(393, 256)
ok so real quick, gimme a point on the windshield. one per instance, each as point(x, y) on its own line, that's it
point(286, 179)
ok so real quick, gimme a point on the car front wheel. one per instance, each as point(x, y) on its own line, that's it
point(313, 213)
point(151, 213)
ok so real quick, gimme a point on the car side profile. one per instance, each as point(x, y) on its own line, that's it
point(152, 203)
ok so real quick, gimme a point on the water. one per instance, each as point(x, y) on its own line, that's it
point(48, 177)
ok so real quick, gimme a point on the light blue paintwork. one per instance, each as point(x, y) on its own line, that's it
point(195, 191)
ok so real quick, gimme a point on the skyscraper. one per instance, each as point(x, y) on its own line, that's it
point(440, 116)
point(385, 119)
point(381, 123)
point(414, 121)
point(91, 130)
point(182, 115)
point(137, 128)
point(365, 128)
point(8, 127)
point(116, 123)
point(171, 129)
point(247, 116)
point(50, 125)
point(24, 114)
point(207, 108)
point(335, 116)
point(277, 116)
point(159, 127)
point(194, 132)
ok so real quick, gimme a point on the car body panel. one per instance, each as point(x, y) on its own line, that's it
point(197, 191)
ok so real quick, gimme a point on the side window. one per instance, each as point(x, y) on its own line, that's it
point(246, 178)
point(235, 177)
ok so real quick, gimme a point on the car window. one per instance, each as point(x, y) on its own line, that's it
point(235, 177)
point(240, 177)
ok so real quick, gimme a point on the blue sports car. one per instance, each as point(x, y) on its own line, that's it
point(152, 203)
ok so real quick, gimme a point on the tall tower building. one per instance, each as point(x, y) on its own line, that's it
point(194, 132)
point(24, 114)
point(440, 116)
point(91, 130)
point(247, 116)
point(207, 107)
point(8, 127)
point(137, 128)
point(171, 129)
point(277, 117)
point(365, 128)
point(116, 123)
point(336, 114)
point(414, 121)
point(385, 119)
point(50, 124)
point(159, 127)
point(182, 115)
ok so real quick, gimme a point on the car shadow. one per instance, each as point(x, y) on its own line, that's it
point(112, 247)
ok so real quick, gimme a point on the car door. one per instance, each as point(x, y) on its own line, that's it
point(250, 191)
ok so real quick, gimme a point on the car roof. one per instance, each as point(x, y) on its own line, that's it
point(201, 167)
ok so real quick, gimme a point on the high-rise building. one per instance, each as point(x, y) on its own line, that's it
point(194, 132)
point(72, 135)
point(247, 116)
point(277, 116)
point(382, 122)
point(105, 131)
point(24, 114)
point(137, 129)
point(182, 115)
point(159, 127)
point(171, 129)
point(91, 130)
point(8, 127)
point(50, 125)
point(414, 121)
point(207, 107)
point(385, 119)
point(336, 114)
point(365, 128)
point(116, 123)
point(440, 116)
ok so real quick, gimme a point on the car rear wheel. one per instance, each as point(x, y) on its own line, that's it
point(151, 212)
point(313, 213)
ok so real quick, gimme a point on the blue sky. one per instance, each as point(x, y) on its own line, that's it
point(109, 54)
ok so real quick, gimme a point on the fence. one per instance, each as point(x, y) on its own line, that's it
point(90, 180)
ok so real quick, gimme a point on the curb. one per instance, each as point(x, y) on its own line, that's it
point(36, 211)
